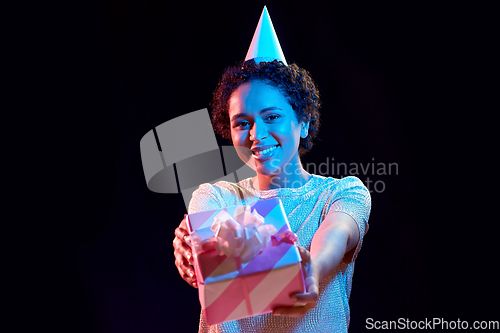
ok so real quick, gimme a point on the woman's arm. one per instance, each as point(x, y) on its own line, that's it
point(337, 236)
point(335, 239)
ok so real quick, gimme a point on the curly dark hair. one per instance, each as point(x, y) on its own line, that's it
point(294, 82)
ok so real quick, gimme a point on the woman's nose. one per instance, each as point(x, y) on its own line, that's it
point(258, 132)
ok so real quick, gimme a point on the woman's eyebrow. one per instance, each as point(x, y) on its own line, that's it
point(242, 114)
point(271, 108)
point(236, 116)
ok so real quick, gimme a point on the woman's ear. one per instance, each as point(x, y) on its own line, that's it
point(304, 132)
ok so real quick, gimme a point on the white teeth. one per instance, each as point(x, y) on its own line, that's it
point(266, 151)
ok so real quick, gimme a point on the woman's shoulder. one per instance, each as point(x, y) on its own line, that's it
point(207, 197)
point(227, 187)
point(344, 188)
point(336, 183)
point(225, 193)
point(217, 189)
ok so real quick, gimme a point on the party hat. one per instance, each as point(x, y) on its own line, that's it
point(265, 45)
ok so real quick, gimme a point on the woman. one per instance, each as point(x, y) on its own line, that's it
point(273, 109)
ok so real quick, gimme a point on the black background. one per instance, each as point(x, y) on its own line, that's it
point(388, 76)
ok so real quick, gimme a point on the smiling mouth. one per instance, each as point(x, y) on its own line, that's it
point(265, 152)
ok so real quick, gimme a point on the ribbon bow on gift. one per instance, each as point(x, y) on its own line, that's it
point(286, 237)
point(243, 236)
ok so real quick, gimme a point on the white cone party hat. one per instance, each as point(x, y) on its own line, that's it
point(265, 45)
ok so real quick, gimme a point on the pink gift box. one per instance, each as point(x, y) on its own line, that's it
point(230, 289)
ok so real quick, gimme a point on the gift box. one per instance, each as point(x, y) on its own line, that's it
point(246, 260)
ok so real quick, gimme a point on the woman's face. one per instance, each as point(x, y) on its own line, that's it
point(263, 121)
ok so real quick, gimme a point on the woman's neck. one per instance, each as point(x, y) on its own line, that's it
point(286, 179)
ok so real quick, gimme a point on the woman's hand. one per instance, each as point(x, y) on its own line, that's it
point(183, 255)
point(310, 297)
point(336, 237)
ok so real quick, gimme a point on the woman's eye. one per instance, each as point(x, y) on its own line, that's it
point(272, 117)
point(242, 123)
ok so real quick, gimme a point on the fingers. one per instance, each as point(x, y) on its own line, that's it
point(182, 264)
point(183, 255)
point(306, 298)
point(181, 232)
point(306, 261)
point(180, 244)
point(304, 254)
point(312, 292)
point(308, 301)
point(312, 285)
point(183, 222)
point(186, 272)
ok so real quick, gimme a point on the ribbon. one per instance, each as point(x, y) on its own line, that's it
point(198, 244)
point(286, 237)
point(242, 236)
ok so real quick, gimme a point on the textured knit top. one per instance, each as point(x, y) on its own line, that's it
point(306, 207)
